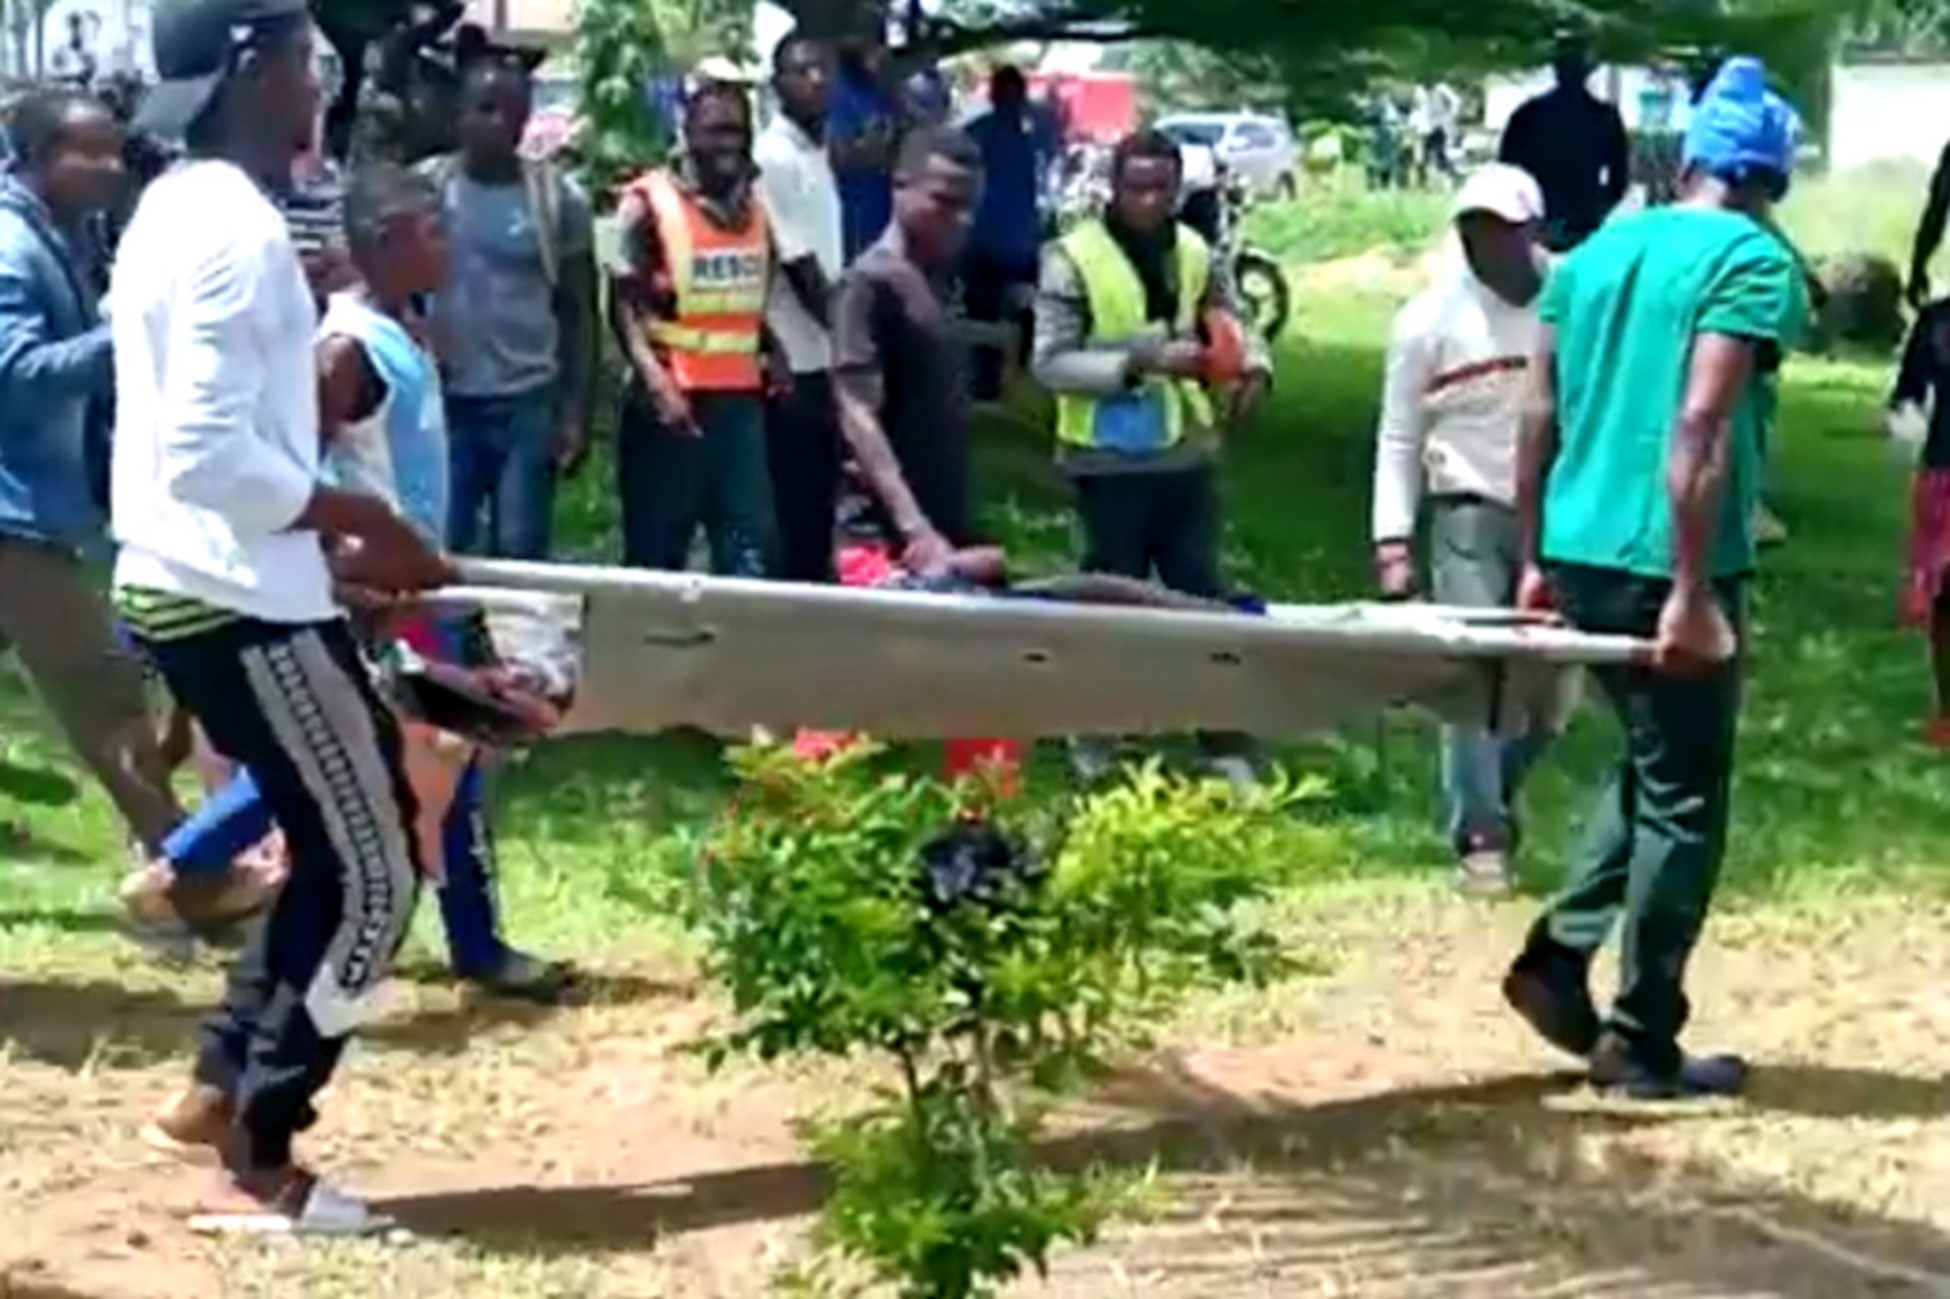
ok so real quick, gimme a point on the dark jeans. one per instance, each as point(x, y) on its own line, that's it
point(294, 704)
point(1140, 524)
point(802, 449)
point(994, 291)
point(1163, 524)
point(1652, 853)
point(502, 456)
point(673, 483)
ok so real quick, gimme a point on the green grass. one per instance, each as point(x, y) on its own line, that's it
point(544, 1142)
point(1869, 211)
point(1834, 792)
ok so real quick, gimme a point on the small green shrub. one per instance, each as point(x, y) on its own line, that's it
point(847, 909)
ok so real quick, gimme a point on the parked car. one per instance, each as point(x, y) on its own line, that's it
point(1258, 149)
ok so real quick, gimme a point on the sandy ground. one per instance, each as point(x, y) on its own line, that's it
point(1384, 1130)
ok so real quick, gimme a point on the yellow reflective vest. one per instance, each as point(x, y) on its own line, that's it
point(1152, 416)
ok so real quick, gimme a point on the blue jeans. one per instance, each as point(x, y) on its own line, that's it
point(502, 457)
point(237, 816)
point(1473, 561)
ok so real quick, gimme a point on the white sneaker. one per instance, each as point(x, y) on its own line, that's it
point(1236, 771)
point(310, 1208)
point(1484, 872)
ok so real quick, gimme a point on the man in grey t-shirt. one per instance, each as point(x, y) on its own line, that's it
point(516, 324)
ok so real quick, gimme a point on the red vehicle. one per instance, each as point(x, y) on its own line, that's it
point(1095, 106)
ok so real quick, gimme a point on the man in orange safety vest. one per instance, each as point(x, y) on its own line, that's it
point(696, 265)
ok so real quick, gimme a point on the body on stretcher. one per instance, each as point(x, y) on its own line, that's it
point(869, 564)
point(657, 651)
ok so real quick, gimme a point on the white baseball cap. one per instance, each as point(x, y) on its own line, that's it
point(1502, 191)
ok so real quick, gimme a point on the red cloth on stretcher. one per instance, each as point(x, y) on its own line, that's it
point(999, 759)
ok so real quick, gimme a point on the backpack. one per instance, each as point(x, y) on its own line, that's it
point(541, 185)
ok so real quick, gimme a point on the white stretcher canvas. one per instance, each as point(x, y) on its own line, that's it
point(664, 650)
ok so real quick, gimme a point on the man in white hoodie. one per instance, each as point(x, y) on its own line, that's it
point(1445, 458)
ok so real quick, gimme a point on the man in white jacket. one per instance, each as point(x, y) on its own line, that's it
point(1445, 457)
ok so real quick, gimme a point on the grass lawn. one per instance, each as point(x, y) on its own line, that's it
point(1380, 1129)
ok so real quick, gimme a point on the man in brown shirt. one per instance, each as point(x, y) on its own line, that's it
point(900, 357)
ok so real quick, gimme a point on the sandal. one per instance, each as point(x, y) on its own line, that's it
point(299, 1204)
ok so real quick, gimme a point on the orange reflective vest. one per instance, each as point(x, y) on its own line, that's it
point(718, 281)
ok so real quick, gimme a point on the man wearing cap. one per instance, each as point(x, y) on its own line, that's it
point(1446, 454)
point(1636, 518)
point(223, 576)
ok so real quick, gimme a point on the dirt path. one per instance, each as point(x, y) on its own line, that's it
point(1383, 1131)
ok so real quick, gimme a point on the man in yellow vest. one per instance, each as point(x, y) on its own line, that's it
point(689, 311)
point(1132, 319)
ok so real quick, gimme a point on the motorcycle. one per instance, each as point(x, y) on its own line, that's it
point(1259, 283)
point(1217, 210)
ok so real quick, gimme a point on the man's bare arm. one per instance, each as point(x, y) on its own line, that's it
point(575, 305)
point(1696, 465)
point(1537, 444)
point(810, 286)
point(859, 395)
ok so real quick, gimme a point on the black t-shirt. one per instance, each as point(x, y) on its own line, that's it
point(892, 320)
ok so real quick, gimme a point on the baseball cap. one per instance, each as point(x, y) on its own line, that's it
point(1502, 191)
point(197, 44)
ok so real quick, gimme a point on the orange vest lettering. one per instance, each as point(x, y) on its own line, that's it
point(718, 281)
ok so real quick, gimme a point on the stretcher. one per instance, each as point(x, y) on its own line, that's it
point(645, 652)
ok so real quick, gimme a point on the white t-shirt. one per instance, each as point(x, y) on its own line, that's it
point(216, 413)
point(802, 202)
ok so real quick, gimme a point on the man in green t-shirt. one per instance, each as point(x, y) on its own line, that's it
point(1638, 472)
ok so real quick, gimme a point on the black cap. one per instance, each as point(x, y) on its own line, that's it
point(197, 44)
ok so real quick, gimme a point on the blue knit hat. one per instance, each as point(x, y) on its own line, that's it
point(1740, 127)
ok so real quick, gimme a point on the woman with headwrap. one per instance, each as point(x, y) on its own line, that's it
point(1638, 472)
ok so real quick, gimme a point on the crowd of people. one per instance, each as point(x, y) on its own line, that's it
point(282, 389)
point(308, 389)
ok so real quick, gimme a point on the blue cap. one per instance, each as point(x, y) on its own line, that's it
point(1740, 127)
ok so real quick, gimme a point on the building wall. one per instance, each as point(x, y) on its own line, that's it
point(1888, 112)
point(547, 20)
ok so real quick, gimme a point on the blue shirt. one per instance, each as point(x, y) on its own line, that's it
point(866, 195)
point(1008, 223)
point(410, 424)
point(55, 365)
point(497, 313)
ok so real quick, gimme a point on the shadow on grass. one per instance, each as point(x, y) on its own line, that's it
point(1455, 1184)
point(98, 1024)
point(61, 920)
point(36, 786)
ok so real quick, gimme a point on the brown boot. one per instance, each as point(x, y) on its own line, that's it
point(192, 1126)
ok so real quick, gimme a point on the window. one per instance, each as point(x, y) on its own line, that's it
point(1251, 136)
point(1196, 133)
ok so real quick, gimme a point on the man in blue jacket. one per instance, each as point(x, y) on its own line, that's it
point(55, 371)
